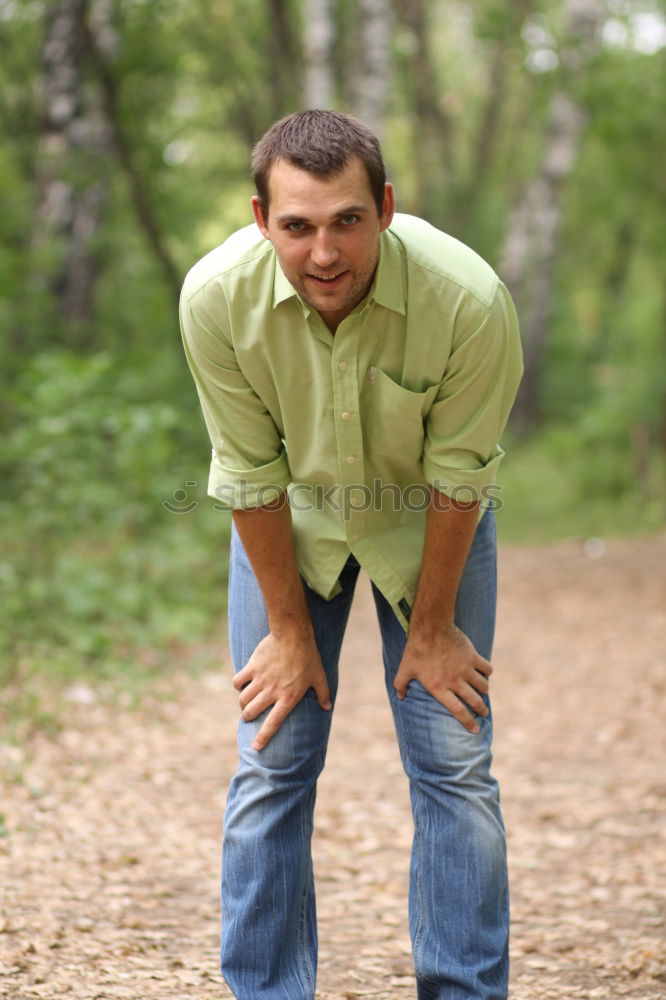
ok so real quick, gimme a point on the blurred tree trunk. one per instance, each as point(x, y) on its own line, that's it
point(662, 416)
point(484, 146)
point(532, 242)
point(432, 135)
point(101, 55)
point(614, 284)
point(371, 76)
point(503, 56)
point(284, 57)
point(318, 38)
point(71, 180)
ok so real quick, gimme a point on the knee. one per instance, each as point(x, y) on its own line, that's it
point(442, 752)
point(294, 754)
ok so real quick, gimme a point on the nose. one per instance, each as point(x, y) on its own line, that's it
point(324, 252)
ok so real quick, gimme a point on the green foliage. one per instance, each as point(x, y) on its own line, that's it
point(579, 482)
point(105, 571)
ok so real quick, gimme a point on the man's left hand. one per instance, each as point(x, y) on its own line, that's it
point(450, 669)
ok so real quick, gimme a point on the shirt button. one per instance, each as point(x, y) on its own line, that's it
point(350, 459)
point(342, 365)
point(345, 415)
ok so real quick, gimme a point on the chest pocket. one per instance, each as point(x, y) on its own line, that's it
point(395, 419)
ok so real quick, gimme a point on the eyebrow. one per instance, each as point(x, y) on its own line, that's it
point(347, 210)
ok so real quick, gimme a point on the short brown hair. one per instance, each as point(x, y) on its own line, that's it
point(321, 142)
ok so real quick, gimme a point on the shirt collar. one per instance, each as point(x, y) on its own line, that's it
point(387, 289)
point(282, 287)
point(389, 283)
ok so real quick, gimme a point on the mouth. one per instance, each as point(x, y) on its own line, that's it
point(328, 280)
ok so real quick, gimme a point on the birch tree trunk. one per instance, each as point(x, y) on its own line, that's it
point(532, 243)
point(284, 56)
point(432, 133)
point(501, 62)
point(71, 180)
point(372, 64)
point(101, 61)
point(318, 38)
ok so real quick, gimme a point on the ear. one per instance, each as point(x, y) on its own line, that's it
point(259, 217)
point(388, 207)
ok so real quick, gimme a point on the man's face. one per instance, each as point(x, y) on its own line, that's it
point(326, 234)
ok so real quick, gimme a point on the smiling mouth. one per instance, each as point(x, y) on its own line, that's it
point(327, 279)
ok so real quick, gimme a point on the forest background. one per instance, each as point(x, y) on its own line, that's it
point(533, 130)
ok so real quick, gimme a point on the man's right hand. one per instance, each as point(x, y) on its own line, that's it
point(279, 673)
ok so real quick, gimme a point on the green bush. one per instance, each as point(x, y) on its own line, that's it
point(102, 559)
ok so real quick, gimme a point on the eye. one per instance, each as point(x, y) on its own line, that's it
point(349, 220)
point(295, 227)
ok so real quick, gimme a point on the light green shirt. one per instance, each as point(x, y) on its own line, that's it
point(414, 389)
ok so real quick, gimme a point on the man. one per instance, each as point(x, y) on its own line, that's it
point(355, 371)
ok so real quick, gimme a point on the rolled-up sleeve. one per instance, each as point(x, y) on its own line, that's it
point(249, 465)
point(465, 422)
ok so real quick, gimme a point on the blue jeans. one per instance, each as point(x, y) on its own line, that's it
point(458, 894)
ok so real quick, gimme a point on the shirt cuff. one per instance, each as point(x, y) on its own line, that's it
point(242, 489)
point(458, 480)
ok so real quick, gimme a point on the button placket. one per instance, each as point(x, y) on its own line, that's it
point(347, 424)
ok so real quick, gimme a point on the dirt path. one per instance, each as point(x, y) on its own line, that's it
point(109, 865)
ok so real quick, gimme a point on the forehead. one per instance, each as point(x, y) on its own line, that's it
point(293, 190)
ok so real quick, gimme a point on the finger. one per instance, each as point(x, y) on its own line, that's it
point(250, 691)
point(401, 682)
point(477, 681)
point(241, 678)
point(261, 701)
point(483, 666)
point(482, 681)
point(323, 693)
point(460, 713)
point(272, 723)
point(473, 699)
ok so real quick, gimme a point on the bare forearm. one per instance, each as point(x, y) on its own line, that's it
point(267, 536)
point(437, 653)
point(450, 528)
point(286, 663)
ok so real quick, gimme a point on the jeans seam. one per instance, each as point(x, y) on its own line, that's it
point(307, 970)
point(418, 929)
